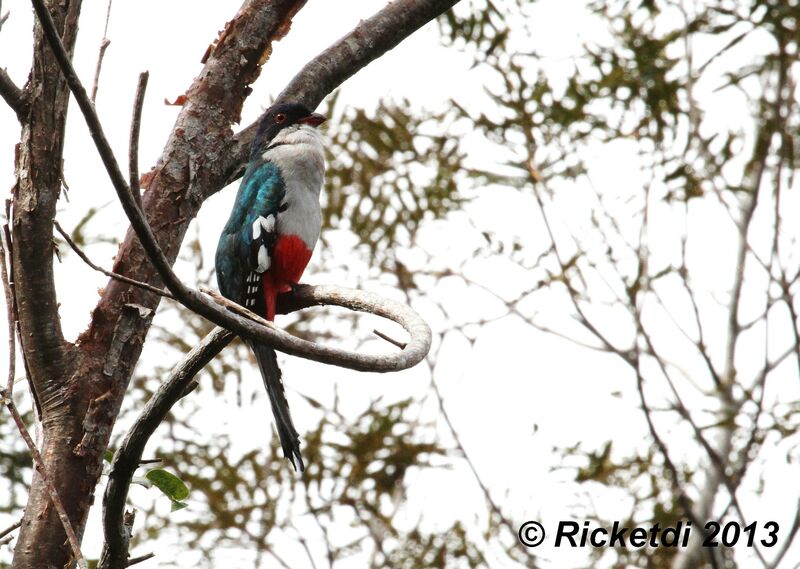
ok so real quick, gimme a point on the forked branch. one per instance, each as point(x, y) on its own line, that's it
point(413, 353)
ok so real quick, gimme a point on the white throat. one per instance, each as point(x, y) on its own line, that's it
point(298, 152)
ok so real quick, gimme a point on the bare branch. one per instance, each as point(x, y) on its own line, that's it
point(583, 318)
point(10, 528)
point(361, 301)
point(6, 396)
point(504, 521)
point(133, 146)
point(683, 499)
point(369, 40)
point(13, 95)
point(104, 43)
point(238, 308)
point(108, 273)
point(84, 102)
point(128, 457)
point(136, 560)
point(11, 313)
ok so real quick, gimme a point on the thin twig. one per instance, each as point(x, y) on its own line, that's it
point(304, 544)
point(11, 312)
point(504, 521)
point(10, 528)
point(389, 339)
point(135, 560)
point(111, 274)
point(104, 43)
point(103, 46)
point(278, 558)
point(133, 145)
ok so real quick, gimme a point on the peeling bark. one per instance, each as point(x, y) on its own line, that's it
point(50, 360)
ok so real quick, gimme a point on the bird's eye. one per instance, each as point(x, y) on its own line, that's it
point(279, 118)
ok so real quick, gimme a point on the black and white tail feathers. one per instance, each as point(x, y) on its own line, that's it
point(271, 374)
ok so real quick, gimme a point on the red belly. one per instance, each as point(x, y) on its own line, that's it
point(289, 259)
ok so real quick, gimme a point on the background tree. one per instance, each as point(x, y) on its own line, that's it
point(651, 302)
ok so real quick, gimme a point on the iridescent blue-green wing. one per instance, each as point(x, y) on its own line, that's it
point(245, 246)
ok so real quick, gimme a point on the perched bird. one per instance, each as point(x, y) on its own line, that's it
point(267, 242)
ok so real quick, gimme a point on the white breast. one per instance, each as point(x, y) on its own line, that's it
point(298, 152)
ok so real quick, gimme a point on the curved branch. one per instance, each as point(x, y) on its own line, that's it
point(126, 460)
point(128, 457)
point(411, 355)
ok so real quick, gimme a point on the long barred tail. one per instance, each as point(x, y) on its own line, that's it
point(271, 373)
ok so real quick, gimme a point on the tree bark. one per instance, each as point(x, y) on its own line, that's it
point(80, 388)
point(49, 359)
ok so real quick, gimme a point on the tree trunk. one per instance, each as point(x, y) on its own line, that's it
point(81, 387)
point(49, 359)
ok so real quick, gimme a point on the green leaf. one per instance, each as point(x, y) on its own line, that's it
point(178, 506)
point(108, 456)
point(169, 484)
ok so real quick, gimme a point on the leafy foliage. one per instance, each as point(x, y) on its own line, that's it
point(354, 470)
point(170, 485)
point(388, 172)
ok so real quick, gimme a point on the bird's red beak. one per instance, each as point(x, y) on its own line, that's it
point(314, 119)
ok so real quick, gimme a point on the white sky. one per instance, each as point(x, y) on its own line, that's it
point(515, 380)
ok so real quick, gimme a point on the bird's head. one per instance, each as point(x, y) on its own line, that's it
point(281, 121)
